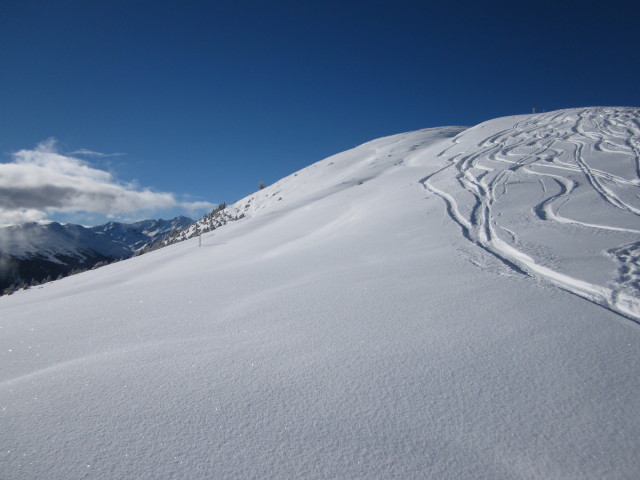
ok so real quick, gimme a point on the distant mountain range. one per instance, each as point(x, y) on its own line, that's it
point(32, 253)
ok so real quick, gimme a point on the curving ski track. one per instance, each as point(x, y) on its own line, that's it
point(584, 167)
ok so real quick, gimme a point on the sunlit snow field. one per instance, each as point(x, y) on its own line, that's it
point(446, 303)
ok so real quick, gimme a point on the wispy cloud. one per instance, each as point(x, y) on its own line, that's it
point(43, 181)
point(83, 152)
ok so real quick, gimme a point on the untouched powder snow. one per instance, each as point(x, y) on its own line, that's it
point(447, 303)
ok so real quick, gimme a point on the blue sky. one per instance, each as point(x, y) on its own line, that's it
point(201, 100)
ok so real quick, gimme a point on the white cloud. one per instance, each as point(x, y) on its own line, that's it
point(43, 181)
point(23, 215)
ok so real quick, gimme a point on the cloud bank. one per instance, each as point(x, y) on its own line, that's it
point(43, 181)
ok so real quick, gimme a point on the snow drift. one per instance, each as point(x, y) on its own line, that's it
point(446, 303)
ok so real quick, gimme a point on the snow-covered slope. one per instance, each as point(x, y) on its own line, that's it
point(446, 303)
point(556, 196)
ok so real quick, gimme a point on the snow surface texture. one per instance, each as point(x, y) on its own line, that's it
point(446, 303)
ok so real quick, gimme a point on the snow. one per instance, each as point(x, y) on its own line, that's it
point(567, 189)
point(446, 303)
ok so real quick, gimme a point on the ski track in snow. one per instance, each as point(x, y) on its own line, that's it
point(567, 154)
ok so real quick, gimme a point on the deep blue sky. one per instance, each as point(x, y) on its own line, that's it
point(208, 98)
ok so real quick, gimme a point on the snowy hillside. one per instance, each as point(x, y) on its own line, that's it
point(446, 303)
point(555, 196)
